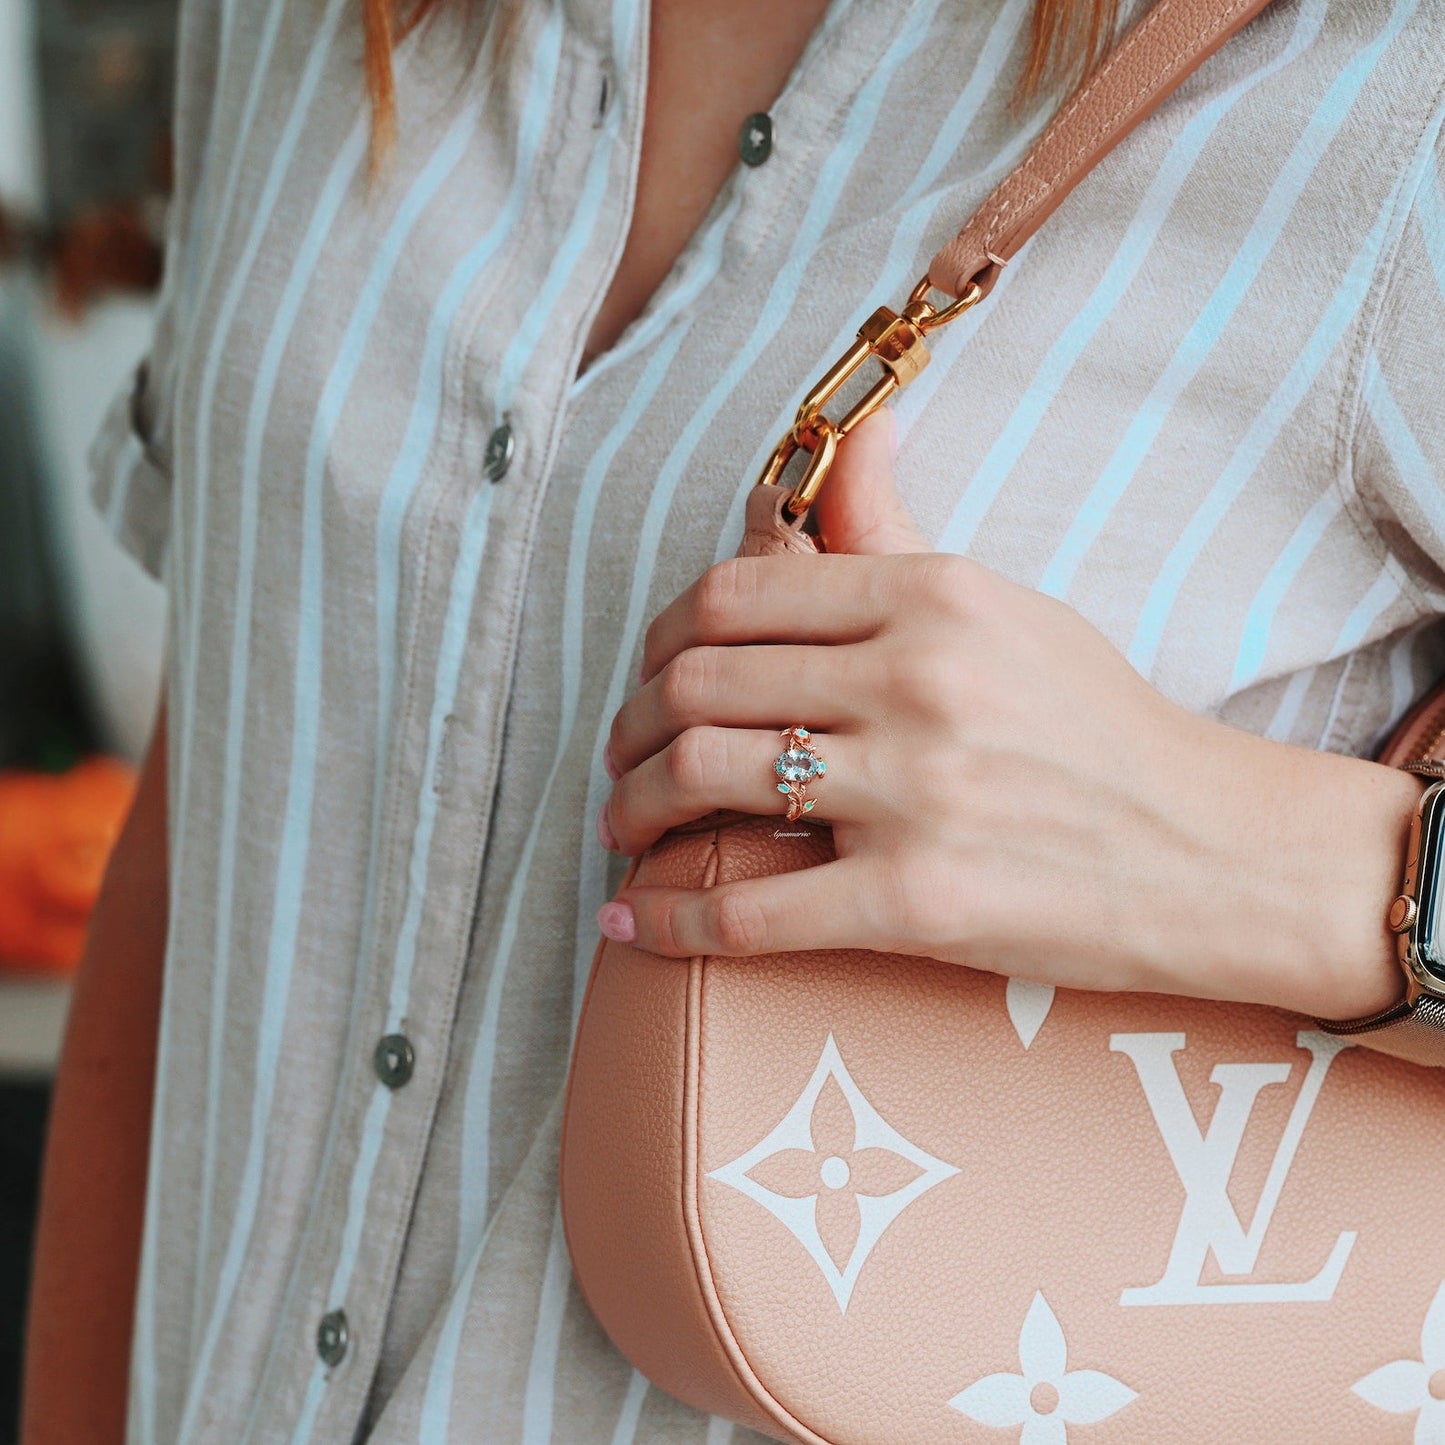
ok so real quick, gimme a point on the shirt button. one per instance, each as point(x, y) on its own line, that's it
point(755, 139)
point(394, 1060)
point(332, 1337)
point(500, 448)
point(604, 97)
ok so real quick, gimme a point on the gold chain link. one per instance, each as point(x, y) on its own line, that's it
point(897, 342)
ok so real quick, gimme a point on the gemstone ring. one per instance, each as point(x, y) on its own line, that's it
point(796, 766)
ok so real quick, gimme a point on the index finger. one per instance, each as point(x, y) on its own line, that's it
point(830, 597)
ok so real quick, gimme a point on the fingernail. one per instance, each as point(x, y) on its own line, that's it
point(616, 920)
point(642, 670)
point(612, 769)
point(604, 830)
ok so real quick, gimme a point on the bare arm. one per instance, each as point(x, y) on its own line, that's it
point(93, 1193)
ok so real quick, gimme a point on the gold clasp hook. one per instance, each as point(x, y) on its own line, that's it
point(897, 342)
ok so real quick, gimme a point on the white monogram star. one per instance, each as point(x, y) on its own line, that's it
point(1415, 1386)
point(1046, 1398)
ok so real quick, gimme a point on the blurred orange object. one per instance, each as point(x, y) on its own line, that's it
point(56, 833)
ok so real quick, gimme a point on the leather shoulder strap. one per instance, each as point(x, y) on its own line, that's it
point(1166, 46)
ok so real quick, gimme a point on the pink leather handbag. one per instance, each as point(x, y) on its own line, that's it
point(867, 1199)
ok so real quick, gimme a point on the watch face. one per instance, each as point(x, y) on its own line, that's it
point(1430, 890)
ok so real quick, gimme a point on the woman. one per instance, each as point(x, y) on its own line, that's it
point(434, 437)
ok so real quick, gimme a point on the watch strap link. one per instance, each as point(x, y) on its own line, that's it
point(1408, 1031)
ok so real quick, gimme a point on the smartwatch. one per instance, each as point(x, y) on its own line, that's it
point(1414, 1027)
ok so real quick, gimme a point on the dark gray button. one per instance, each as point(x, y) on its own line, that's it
point(332, 1337)
point(500, 448)
point(394, 1060)
point(755, 139)
point(604, 98)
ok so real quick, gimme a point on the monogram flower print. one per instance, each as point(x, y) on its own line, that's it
point(1046, 1398)
point(1415, 1387)
point(1028, 1006)
point(835, 1173)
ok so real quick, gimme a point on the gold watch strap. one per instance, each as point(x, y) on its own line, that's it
point(1413, 1031)
point(1413, 1028)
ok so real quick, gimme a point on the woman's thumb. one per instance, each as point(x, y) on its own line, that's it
point(859, 509)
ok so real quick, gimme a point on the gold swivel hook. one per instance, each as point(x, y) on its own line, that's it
point(896, 341)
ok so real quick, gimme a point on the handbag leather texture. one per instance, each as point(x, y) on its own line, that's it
point(852, 1198)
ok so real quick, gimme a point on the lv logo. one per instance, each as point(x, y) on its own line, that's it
point(1205, 1161)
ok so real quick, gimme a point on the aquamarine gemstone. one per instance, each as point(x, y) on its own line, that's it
point(797, 765)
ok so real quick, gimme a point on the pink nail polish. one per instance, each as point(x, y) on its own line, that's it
point(612, 770)
point(616, 920)
point(604, 829)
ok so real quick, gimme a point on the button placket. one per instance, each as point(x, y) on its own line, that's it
point(461, 830)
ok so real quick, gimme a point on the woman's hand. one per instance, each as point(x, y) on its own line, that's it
point(1004, 790)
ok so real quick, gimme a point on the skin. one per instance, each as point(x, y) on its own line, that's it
point(709, 66)
point(93, 1190)
point(1005, 791)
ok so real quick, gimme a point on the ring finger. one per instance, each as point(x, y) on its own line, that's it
point(716, 767)
point(742, 687)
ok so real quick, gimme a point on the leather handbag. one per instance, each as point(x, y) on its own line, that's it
point(863, 1199)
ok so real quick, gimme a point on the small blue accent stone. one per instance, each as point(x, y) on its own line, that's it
point(782, 787)
point(822, 766)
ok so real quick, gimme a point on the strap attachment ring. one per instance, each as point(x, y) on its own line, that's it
point(897, 342)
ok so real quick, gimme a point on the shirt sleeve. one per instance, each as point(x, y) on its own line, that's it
point(1399, 452)
point(131, 474)
point(131, 455)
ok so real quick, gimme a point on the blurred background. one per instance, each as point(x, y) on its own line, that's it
point(84, 173)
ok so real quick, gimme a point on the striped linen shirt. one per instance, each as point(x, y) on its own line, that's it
point(1204, 406)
